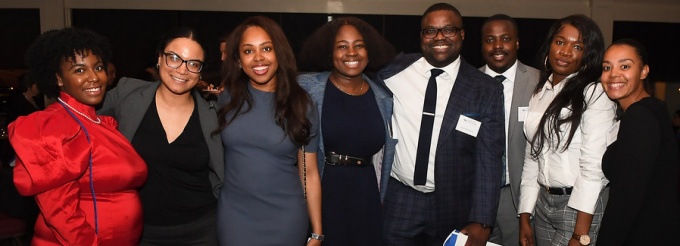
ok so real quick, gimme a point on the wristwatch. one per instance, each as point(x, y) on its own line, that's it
point(317, 237)
point(582, 239)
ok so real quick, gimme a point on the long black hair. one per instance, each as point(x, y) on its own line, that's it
point(291, 101)
point(572, 95)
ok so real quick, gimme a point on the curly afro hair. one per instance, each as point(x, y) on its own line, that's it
point(317, 50)
point(45, 55)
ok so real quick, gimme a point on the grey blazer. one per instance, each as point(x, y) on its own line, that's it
point(130, 99)
point(526, 79)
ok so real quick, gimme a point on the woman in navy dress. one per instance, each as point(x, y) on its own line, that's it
point(264, 120)
point(355, 117)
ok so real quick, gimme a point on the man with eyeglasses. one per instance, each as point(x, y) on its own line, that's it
point(448, 118)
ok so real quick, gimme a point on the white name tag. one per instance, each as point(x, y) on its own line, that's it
point(522, 113)
point(468, 125)
point(612, 133)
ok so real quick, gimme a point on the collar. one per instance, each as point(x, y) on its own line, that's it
point(509, 73)
point(80, 107)
point(423, 67)
point(558, 87)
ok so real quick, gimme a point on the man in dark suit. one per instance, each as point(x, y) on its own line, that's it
point(448, 117)
point(499, 50)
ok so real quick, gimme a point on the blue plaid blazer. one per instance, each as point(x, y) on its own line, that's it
point(467, 169)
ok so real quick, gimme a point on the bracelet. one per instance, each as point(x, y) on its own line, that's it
point(317, 237)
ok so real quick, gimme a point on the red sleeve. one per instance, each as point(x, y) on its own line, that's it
point(52, 156)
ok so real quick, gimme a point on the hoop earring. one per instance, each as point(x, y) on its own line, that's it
point(158, 65)
point(545, 64)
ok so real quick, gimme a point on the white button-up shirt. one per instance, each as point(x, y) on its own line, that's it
point(580, 165)
point(508, 87)
point(408, 88)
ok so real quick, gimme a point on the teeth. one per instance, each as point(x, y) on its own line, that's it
point(616, 85)
point(352, 62)
point(260, 68)
point(440, 46)
point(178, 79)
point(93, 89)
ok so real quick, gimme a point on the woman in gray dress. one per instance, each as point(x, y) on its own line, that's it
point(265, 119)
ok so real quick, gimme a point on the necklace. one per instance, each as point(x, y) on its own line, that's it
point(351, 94)
point(98, 121)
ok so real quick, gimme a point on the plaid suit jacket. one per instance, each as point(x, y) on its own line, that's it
point(467, 169)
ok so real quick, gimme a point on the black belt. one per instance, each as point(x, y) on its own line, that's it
point(344, 160)
point(560, 191)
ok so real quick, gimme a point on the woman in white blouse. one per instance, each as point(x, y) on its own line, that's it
point(562, 183)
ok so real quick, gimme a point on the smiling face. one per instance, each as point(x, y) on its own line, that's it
point(180, 80)
point(499, 45)
point(83, 78)
point(441, 51)
point(258, 59)
point(623, 73)
point(566, 52)
point(349, 52)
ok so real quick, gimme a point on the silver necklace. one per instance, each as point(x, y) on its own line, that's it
point(98, 121)
point(351, 94)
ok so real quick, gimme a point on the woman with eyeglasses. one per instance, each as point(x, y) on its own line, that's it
point(83, 173)
point(170, 125)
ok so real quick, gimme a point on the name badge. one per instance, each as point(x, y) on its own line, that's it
point(612, 133)
point(468, 125)
point(522, 113)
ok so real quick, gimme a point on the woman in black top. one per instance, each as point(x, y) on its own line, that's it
point(170, 126)
point(642, 159)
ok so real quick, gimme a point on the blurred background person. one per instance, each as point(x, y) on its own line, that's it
point(500, 43)
point(566, 126)
point(170, 126)
point(111, 75)
point(642, 160)
point(82, 171)
point(355, 118)
point(25, 100)
point(265, 119)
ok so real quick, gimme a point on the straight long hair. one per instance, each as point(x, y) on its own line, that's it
point(291, 102)
point(572, 95)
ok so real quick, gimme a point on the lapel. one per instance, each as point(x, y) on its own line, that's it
point(137, 108)
point(518, 94)
point(457, 98)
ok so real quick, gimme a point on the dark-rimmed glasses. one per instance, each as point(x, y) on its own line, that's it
point(448, 31)
point(174, 61)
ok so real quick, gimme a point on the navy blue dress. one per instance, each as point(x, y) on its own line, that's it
point(351, 125)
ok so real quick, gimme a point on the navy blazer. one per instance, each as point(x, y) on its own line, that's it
point(467, 169)
point(130, 99)
point(315, 85)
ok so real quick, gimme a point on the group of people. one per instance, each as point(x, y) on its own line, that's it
point(374, 149)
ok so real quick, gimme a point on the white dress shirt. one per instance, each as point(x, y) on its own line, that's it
point(580, 165)
point(508, 87)
point(408, 88)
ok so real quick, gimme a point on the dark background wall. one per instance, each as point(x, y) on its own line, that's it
point(135, 33)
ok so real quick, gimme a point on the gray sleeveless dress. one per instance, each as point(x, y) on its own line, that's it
point(261, 202)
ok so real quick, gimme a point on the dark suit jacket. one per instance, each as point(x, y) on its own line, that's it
point(128, 103)
point(525, 82)
point(467, 169)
